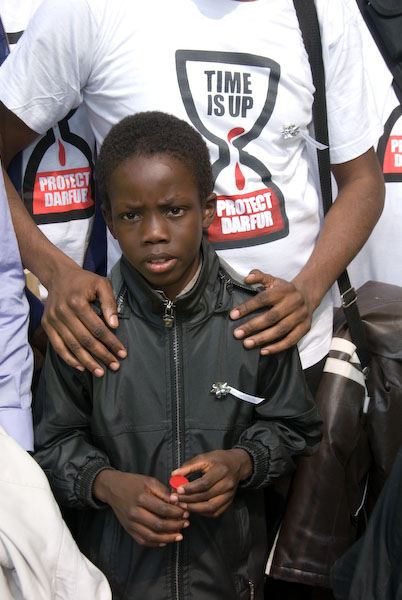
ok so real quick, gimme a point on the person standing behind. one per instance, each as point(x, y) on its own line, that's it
point(254, 108)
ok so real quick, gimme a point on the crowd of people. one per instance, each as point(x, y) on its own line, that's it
point(200, 354)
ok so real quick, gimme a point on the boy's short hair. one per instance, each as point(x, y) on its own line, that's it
point(148, 134)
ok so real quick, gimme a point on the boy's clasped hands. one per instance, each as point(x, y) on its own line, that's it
point(154, 515)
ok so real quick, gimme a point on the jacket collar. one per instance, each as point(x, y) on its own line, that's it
point(209, 293)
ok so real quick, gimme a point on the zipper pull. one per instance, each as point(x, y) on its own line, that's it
point(120, 302)
point(252, 590)
point(168, 315)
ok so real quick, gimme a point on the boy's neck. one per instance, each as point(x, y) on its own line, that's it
point(192, 281)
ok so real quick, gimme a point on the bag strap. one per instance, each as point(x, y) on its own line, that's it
point(309, 25)
point(384, 20)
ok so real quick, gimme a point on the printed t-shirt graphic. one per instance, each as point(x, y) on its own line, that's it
point(217, 88)
point(389, 148)
point(58, 184)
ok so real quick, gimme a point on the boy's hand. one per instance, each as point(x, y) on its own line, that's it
point(142, 505)
point(286, 321)
point(211, 494)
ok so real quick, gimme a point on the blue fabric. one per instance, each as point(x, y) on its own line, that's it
point(16, 362)
point(36, 308)
point(4, 49)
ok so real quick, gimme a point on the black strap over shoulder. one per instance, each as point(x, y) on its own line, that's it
point(309, 25)
point(384, 20)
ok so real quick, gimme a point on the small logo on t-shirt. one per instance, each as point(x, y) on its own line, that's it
point(58, 181)
point(389, 149)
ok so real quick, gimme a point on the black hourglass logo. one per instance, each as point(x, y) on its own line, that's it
point(218, 92)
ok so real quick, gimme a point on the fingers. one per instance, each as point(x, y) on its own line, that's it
point(148, 537)
point(75, 343)
point(210, 494)
point(278, 330)
point(192, 466)
point(156, 524)
point(142, 506)
point(212, 508)
point(261, 300)
point(282, 325)
point(211, 501)
point(78, 334)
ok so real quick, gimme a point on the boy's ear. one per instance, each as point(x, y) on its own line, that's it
point(107, 215)
point(208, 211)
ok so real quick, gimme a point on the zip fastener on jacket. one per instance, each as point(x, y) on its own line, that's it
point(168, 315)
point(170, 323)
point(252, 590)
point(231, 283)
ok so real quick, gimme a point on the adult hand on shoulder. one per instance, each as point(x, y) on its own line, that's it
point(287, 319)
point(142, 505)
point(211, 494)
point(76, 332)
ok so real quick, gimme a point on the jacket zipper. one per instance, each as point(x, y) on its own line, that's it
point(170, 323)
point(252, 590)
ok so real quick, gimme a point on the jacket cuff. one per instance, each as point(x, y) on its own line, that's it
point(260, 458)
point(85, 481)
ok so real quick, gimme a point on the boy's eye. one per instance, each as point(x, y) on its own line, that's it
point(175, 211)
point(130, 216)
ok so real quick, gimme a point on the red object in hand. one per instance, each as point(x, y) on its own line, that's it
point(177, 481)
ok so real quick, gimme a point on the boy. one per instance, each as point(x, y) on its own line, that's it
point(190, 400)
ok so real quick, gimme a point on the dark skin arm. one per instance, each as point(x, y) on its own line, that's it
point(73, 328)
point(346, 227)
point(142, 505)
point(212, 493)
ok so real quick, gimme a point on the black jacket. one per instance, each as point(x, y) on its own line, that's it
point(158, 411)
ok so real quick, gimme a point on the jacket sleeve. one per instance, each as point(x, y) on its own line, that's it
point(286, 425)
point(63, 445)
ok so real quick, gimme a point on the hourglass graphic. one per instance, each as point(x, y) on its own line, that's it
point(219, 94)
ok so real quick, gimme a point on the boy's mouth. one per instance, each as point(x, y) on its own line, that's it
point(160, 265)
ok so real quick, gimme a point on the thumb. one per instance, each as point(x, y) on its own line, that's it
point(191, 466)
point(257, 276)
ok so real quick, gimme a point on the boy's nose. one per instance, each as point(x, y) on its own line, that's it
point(154, 229)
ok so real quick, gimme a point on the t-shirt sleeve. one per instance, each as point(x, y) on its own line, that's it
point(43, 78)
point(353, 123)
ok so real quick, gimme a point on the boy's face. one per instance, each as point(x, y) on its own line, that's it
point(157, 218)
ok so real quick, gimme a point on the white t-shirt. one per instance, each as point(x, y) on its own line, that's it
point(15, 18)
point(381, 257)
point(56, 169)
point(239, 73)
